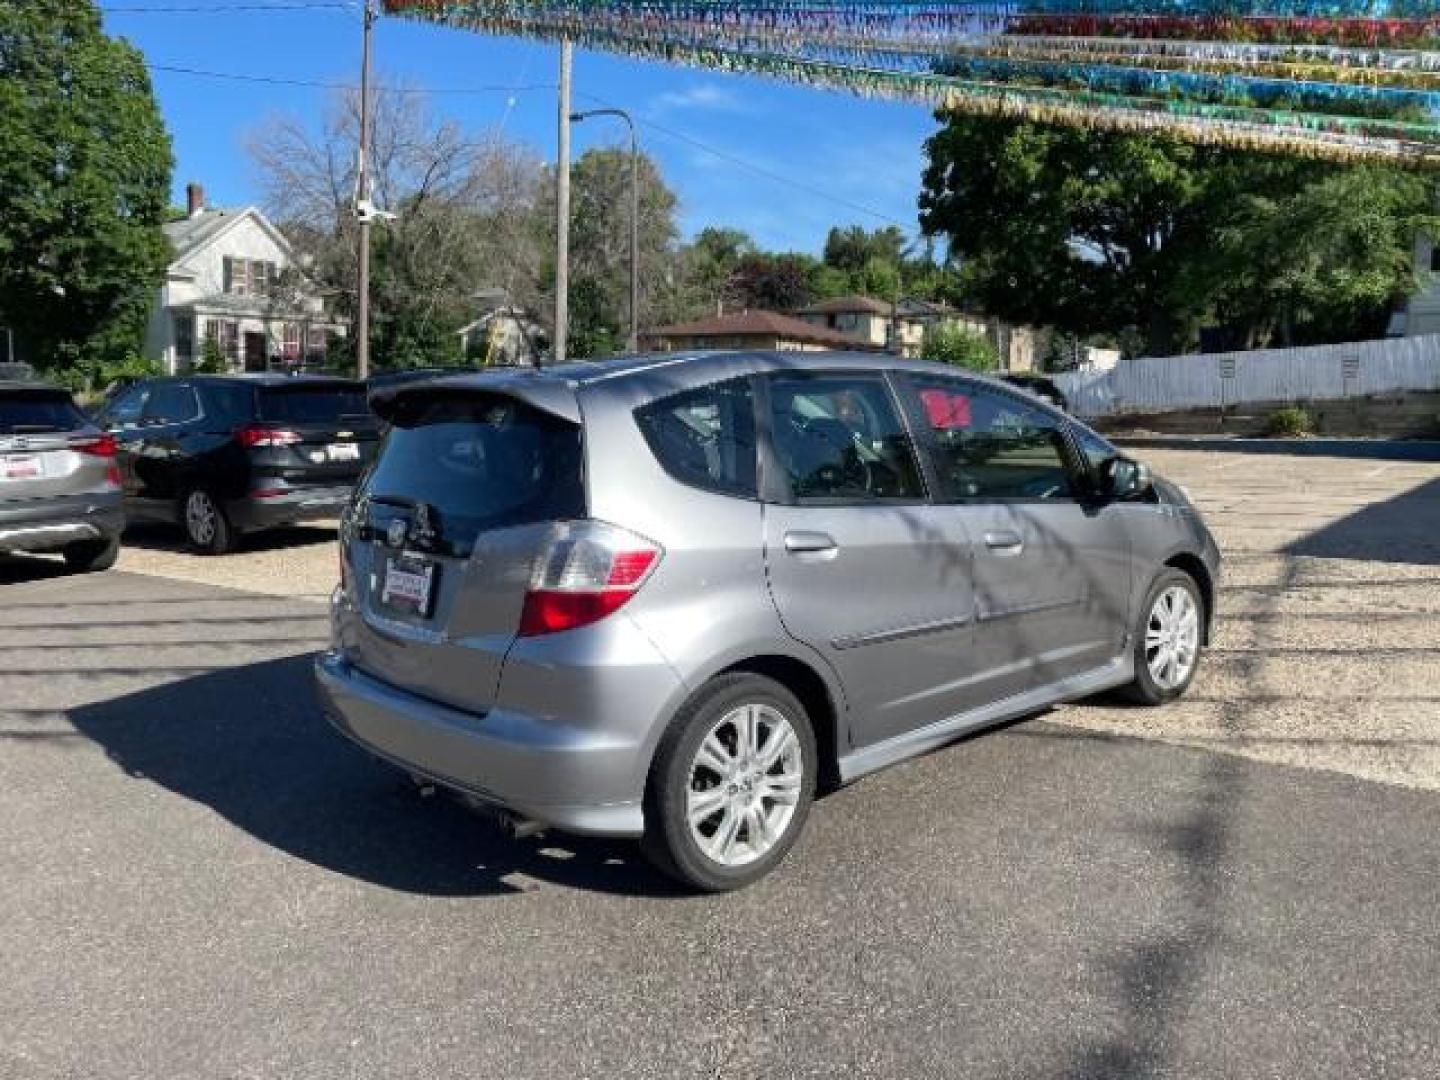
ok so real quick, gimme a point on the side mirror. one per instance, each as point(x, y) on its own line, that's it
point(1124, 478)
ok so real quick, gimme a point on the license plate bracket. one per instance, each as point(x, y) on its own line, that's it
point(409, 585)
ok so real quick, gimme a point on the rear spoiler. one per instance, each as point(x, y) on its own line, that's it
point(549, 395)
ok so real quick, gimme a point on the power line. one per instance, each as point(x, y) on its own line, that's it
point(679, 136)
point(314, 84)
point(761, 170)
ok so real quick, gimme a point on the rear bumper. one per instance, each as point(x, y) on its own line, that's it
point(505, 758)
point(40, 530)
point(302, 504)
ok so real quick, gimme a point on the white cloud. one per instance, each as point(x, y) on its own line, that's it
point(705, 96)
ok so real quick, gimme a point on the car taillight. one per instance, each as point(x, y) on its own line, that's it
point(264, 436)
point(101, 446)
point(587, 571)
point(98, 446)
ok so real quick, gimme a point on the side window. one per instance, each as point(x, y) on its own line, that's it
point(230, 403)
point(172, 403)
point(705, 437)
point(126, 408)
point(987, 445)
point(838, 437)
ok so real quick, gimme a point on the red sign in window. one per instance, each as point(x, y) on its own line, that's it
point(946, 411)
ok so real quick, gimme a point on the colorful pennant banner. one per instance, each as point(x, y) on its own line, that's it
point(1339, 79)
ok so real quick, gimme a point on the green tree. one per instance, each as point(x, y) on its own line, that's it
point(1147, 238)
point(84, 184)
point(600, 248)
point(949, 343)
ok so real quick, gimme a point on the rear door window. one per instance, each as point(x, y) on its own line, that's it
point(478, 462)
point(313, 404)
point(839, 438)
point(230, 402)
point(38, 411)
point(172, 403)
point(705, 438)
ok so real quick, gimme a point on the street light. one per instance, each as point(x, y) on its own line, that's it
point(633, 344)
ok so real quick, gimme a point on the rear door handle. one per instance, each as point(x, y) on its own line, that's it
point(1004, 541)
point(809, 543)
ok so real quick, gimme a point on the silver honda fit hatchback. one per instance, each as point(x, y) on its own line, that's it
point(667, 597)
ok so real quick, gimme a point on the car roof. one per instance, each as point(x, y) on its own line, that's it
point(554, 389)
point(26, 384)
point(265, 378)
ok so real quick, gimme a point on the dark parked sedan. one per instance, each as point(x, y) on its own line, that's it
point(59, 487)
point(222, 455)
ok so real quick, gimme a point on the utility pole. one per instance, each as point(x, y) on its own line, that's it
point(362, 206)
point(633, 341)
point(562, 210)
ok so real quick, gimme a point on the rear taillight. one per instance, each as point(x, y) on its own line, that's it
point(264, 436)
point(97, 446)
point(587, 571)
point(101, 446)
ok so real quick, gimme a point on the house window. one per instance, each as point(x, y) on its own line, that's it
point(316, 345)
point(290, 348)
point(249, 277)
point(1435, 258)
point(184, 331)
point(226, 334)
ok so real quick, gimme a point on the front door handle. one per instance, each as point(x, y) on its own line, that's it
point(1004, 542)
point(809, 543)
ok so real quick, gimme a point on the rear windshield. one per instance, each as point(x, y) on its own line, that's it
point(479, 461)
point(312, 404)
point(38, 411)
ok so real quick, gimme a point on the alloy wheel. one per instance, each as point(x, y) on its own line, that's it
point(745, 782)
point(201, 517)
point(1172, 637)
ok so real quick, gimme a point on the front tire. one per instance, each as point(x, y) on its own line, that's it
point(92, 556)
point(1167, 639)
point(206, 526)
point(731, 785)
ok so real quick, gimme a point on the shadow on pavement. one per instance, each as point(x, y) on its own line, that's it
point(1405, 529)
point(251, 743)
point(17, 568)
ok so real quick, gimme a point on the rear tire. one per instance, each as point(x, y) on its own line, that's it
point(731, 784)
point(206, 527)
point(92, 556)
point(1167, 636)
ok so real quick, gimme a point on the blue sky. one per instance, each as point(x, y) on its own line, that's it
point(852, 154)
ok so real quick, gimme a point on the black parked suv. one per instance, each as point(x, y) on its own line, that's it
point(226, 454)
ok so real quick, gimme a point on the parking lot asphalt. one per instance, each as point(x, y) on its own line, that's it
point(201, 880)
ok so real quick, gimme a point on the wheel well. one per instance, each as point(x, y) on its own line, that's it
point(1195, 567)
point(803, 681)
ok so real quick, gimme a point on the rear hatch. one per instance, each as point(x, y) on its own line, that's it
point(439, 546)
point(312, 434)
point(48, 449)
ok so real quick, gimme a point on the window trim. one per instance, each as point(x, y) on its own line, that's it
point(774, 484)
point(1075, 465)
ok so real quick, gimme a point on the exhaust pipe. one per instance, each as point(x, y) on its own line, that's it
point(518, 828)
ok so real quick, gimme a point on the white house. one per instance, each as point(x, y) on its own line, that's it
point(235, 280)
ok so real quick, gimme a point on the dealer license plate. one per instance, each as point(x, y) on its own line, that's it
point(409, 585)
point(21, 466)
